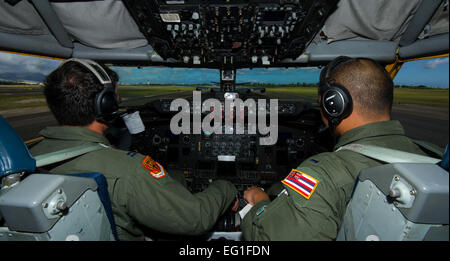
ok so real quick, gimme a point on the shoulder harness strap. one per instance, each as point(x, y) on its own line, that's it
point(61, 155)
point(388, 155)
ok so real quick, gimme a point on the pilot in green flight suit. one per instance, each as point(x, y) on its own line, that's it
point(317, 192)
point(143, 195)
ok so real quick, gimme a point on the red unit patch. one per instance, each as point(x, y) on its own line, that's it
point(155, 169)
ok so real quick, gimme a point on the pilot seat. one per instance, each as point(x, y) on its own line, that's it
point(406, 199)
point(49, 207)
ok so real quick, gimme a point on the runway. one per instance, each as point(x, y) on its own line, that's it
point(420, 122)
point(423, 122)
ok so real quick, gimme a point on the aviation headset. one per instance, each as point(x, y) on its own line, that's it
point(336, 102)
point(106, 103)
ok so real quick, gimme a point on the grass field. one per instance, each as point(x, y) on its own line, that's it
point(20, 99)
point(435, 97)
point(308, 92)
point(14, 102)
point(427, 97)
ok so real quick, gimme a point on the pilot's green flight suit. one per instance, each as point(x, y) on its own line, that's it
point(291, 216)
point(141, 192)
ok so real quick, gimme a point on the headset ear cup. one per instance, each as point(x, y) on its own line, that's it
point(97, 103)
point(348, 108)
point(336, 104)
point(106, 103)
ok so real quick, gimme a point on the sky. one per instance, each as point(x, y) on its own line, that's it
point(429, 72)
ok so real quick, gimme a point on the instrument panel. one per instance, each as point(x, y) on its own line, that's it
point(239, 158)
point(285, 108)
point(231, 33)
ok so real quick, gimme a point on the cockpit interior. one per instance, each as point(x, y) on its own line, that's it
point(225, 35)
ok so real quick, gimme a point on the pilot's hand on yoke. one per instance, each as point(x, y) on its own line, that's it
point(254, 195)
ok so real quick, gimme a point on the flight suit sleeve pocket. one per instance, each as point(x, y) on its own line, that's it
point(266, 220)
point(277, 221)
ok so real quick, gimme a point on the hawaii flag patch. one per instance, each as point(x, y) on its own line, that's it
point(301, 183)
point(154, 168)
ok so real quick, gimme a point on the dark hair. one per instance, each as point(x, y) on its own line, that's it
point(369, 84)
point(70, 92)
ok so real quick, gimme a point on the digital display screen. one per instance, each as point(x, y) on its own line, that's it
point(226, 169)
point(272, 16)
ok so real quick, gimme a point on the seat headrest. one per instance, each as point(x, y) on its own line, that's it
point(14, 154)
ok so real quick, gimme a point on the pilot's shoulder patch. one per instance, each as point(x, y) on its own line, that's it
point(301, 183)
point(155, 169)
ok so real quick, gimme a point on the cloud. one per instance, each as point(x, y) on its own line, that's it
point(278, 71)
point(431, 64)
point(23, 65)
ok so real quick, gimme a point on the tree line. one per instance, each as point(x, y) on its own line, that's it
point(254, 84)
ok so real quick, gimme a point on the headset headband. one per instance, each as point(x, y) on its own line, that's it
point(95, 68)
point(105, 103)
point(337, 63)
